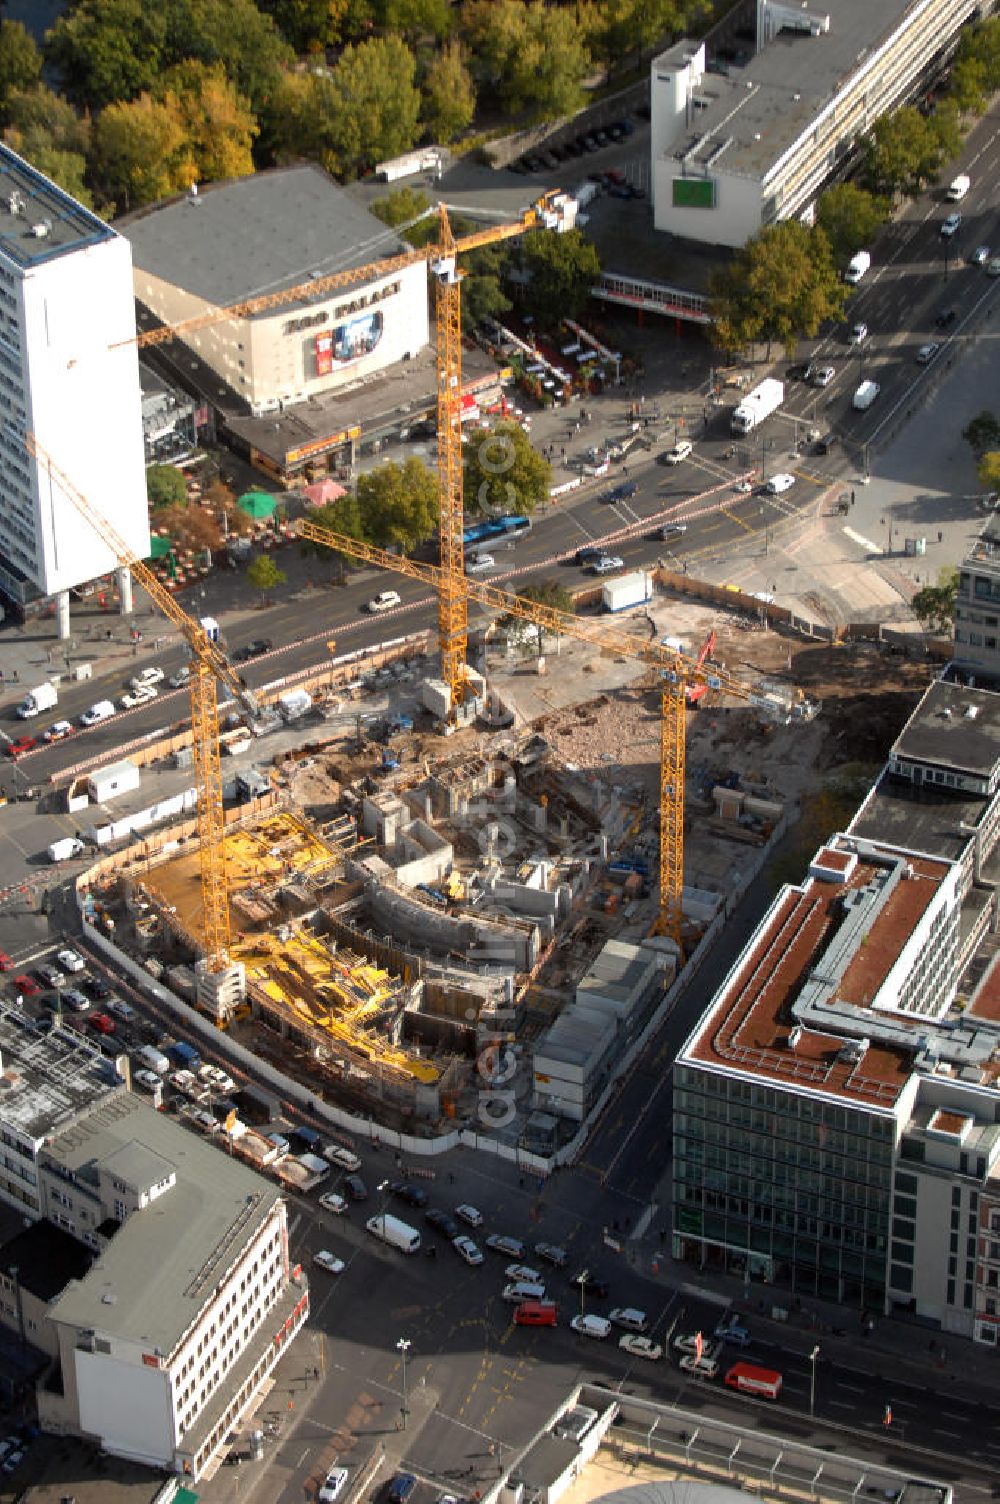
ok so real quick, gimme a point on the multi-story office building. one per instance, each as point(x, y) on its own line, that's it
point(738, 147)
point(69, 374)
point(837, 1112)
point(168, 1296)
point(977, 605)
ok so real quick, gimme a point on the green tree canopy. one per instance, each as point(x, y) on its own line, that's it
point(543, 593)
point(141, 151)
point(165, 486)
point(400, 206)
point(934, 605)
point(975, 74)
point(365, 109)
point(218, 122)
point(982, 432)
point(530, 57)
point(502, 473)
point(413, 19)
point(449, 95)
point(264, 574)
point(20, 63)
point(850, 217)
point(561, 269)
point(640, 24)
point(904, 151)
point(781, 286)
point(47, 131)
point(309, 25)
point(398, 504)
point(482, 291)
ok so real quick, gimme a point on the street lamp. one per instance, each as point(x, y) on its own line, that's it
point(812, 1380)
point(403, 1346)
point(584, 1277)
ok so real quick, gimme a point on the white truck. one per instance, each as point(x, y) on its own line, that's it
point(394, 1232)
point(426, 159)
point(627, 590)
point(37, 700)
point(758, 405)
point(958, 188)
point(65, 850)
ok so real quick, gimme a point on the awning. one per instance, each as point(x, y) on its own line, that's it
point(323, 492)
point(257, 504)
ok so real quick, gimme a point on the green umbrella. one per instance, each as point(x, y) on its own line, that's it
point(257, 504)
point(160, 549)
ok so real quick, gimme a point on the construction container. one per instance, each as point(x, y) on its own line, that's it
point(295, 704)
point(628, 590)
point(117, 778)
point(436, 697)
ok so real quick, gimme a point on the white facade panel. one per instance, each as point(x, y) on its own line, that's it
point(126, 1405)
point(82, 401)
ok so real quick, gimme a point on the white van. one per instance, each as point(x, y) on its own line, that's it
point(958, 188)
point(343, 1158)
point(394, 1232)
point(857, 267)
point(103, 710)
point(520, 1290)
point(154, 1059)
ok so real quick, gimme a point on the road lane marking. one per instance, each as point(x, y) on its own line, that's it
point(862, 541)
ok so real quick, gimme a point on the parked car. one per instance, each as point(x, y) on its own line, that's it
point(26, 985)
point(823, 376)
point(146, 677)
point(672, 530)
point(49, 976)
point(607, 564)
point(733, 1332)
point(480, 563)
point(470, 1215)
point(467, 1249)
point(499, 1242)
point(993, 267)
point(523, 1274)
point(926, 353)
point(70, 960)
point(552, 1254)
point(413, 1195)
point(331, 1202)
point(180, 678)
point(401, 1488)
point(589, 555)
point(333, 1485)
point(149, 1080)
point(627, 489)
point(102, 1023)
point(258, 646)
point(688, 1343)
point(949, 226)
point(356, 1188)
point(858, 334)
point(73, 998)
point(136, 697)
point(442, 1222)
point(592, 1326)
point(58, 731)
point(6, 963)
point(324, 1259)
point(640, 1347)
point(681, 450)
point(96, 987)
point(21, 744)
point(946, 317)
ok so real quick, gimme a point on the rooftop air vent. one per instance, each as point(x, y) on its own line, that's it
point(16, 202)
point(795, 1036)
point(42, 229)
point(971, 711)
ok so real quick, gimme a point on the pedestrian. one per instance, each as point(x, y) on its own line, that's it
point(16, 676)
point(940, 536)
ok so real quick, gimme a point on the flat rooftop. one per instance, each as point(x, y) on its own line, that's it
point(954, 728)
point(752, 1026)
point(46, 1080)
point(152, 1279)
point(927, 819)
point(237, 239)
point(759, 110)
point(38, 221)
point(45, 1259)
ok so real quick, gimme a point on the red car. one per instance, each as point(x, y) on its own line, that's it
point(27, 985)
point(102, 1023)
point(21, 744)
point(5, 962)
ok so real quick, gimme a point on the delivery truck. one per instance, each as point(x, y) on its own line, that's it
point(627, 590)
point(65, 850)
point(37, 700)
point(394, 1232)
point(758, 405)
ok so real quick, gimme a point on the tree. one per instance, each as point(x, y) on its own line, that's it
point(413, 19)
point(850, 217)
point(982, 432)
point(141, 151)
point(398, 504)
point(988, 470)
point(449, 95)
point(934, 605)
point(400, 206)
point(20, 63)
point(946, 127)
point(238, 35)
point(544, 593)
point(264, 575)
point(502, 472)
point(47, 131)
point(481, 289)
point(218, 122)
point(642, 23)
point(904, 151)
point(529, 56)
point(561, 269)
point(374, 104)
point(781, 286)
point(309, 25)
point(109, 50)
point(165, 486)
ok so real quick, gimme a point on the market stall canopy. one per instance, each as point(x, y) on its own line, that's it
point(323, 492)
point(160, 547)
point(257, 504)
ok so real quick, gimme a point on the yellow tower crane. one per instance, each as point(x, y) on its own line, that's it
point(442, 258)
point(209, 665)
point(676, 670)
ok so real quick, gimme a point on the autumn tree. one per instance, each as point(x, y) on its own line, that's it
point(934, 605)
point(988, 471)
point(141, 151)
point(413, 20)
point(218, 122)
point(782, 286)
point(51, 135)
point(904, 151)
point(561, 270)
point(310, 25)
point(503, 473)
point(982, 433)
point(641, 24)
point(850, 217)
point(449, 95)
point(20, 63)
point(400, 206)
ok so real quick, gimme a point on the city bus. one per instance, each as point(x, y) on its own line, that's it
point(765, 1383)
point(494, 528)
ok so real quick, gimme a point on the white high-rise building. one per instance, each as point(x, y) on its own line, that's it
point(69, 374)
